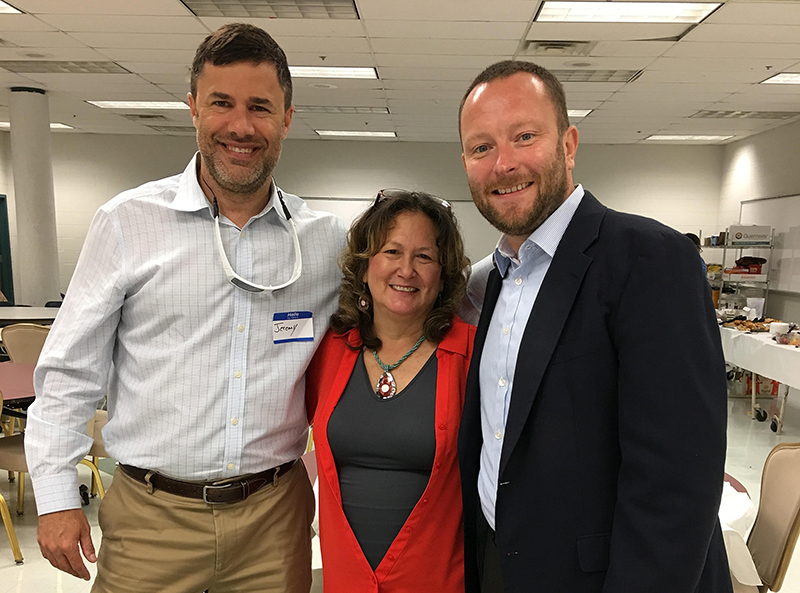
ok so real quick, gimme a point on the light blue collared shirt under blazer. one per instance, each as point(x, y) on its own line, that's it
point(522, 278)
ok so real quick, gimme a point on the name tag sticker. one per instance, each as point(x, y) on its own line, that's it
point(293, 326)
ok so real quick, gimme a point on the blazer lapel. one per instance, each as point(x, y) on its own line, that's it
point(553, 304)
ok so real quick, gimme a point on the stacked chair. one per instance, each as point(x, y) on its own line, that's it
point(23, 343)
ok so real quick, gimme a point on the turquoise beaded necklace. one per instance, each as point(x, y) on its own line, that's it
point(386, 387)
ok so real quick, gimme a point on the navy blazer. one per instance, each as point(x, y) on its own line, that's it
point(612, 467)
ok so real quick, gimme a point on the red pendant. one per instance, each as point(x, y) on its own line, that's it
point(386, 388)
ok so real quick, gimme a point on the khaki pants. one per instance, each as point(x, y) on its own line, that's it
point(161, 543)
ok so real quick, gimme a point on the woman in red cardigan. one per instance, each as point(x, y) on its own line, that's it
point(385, 392)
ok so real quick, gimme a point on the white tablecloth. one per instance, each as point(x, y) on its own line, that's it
point(760, 354)
point(737, 513)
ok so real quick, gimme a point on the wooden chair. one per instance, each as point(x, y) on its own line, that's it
point(24, 341)
point(777, 527)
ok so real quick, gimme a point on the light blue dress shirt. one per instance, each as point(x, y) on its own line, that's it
point(522, 278)
point(197, 386)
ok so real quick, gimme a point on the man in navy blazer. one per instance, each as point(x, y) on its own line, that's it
point(592, 443)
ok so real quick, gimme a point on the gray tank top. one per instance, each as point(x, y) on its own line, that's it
point(384, 452)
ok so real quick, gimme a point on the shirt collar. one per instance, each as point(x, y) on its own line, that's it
point(190, 196)
point(546, 237)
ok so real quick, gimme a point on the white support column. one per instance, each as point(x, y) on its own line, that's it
point(36, 255)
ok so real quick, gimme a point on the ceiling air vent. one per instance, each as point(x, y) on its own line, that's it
point(558, 48)
point(596, 75)
point(145, 118)
point(61, 67)
point(707, 114)
point(183, 130)
point(272, 9)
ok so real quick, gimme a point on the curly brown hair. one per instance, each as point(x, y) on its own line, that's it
point(365, 238)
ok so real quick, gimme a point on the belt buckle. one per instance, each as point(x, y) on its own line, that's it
point(207, 487)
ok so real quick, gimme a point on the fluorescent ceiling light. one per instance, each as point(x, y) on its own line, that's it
point(340, 109)
point(687, 138)
point(53, 126)
point(353, 134)
point(784, 78)
point(576, 113)
point(139, 104)
point(6, 9)
point(331, 72)
point(626, 12)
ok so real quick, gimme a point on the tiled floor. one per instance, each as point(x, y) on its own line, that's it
point(749, 442)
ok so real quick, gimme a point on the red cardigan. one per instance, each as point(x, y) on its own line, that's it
point(428, 553)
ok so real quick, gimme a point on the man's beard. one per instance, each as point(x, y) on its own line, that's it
point(551, 191)
point(236, 184)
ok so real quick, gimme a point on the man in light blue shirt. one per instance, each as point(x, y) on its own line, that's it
point(592, 443)
point(196, 305)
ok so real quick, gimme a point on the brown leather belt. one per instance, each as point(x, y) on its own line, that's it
point(224, 491)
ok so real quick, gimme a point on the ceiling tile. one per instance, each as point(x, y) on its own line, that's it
point(751, 50)
point(22, 22)
point(40, 39)
point(104, 23)
point(406, 29)
point(153, 41)
point(758, 13)
point(775, 33)
point(448, 10)
point(154, 8)
point(444, 47)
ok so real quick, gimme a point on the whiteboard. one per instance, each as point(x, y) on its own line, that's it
point(783, 215)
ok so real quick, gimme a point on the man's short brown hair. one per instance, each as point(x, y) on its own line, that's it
point(508, 68)
point(240, 42)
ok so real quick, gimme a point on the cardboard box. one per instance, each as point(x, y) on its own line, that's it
point(750, 235)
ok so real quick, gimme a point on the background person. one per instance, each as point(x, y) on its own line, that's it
point(206, 392)
point(592, 443)
point(385, 392)
point(696, 242)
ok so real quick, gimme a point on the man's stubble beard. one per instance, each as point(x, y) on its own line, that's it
point(551, 188)
point(250, 185)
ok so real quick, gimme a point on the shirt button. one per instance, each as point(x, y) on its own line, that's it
point(408, 530)
point(390, 557)
point(502, 382)
point(240, 328)
point(238, 374)
point(498, 435)
point(235, 421)
point(506, 330)
point(442, 426)
point(243, 234)
point(518, 281)
point(424, 501)
point(438, 465)
point(231, 466)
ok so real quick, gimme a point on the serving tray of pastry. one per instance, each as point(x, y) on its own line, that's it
point(756, 325)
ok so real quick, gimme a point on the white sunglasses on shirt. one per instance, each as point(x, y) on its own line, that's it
point(243, 283)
